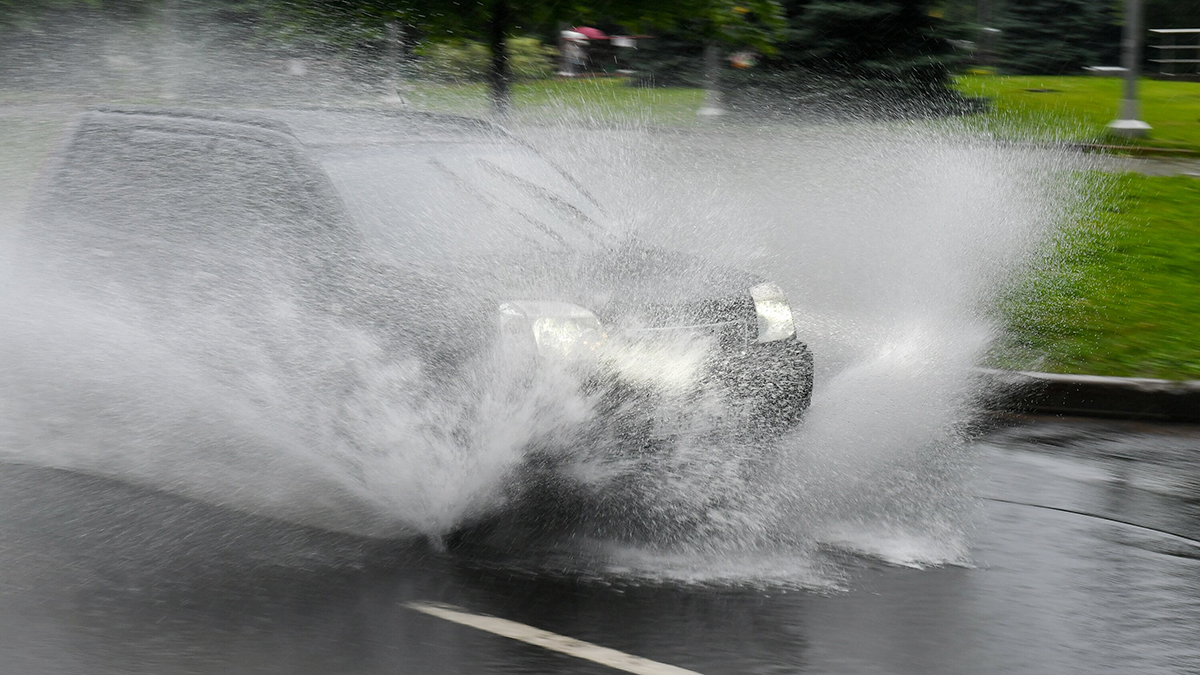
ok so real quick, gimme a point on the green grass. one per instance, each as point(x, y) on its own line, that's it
point(1120, 295)
point(607, 99)
point(1076, 108)
point(1079, 107)
point(1120, 292)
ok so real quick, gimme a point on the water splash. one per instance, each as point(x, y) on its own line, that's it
point(891, 241)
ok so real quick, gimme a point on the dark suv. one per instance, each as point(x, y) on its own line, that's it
point(443, 239)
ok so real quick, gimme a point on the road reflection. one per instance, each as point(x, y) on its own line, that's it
point(100, 577)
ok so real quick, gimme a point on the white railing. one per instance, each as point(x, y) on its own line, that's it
point(1178, 50)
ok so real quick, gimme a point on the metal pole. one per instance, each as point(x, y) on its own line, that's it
point(1129, 124)
point(500, 73)
point(393, 63)
point(712, 82)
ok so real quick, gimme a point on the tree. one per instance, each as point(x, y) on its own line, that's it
point(858, 57)
point(752, 23)
point(675, 56)
point(1052, 36)
point(844, 53)
point(380, 23)
point(24, 14)
point(899, 42)
point(1172, 13)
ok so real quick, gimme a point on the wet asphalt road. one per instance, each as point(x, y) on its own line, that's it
point(103, 578)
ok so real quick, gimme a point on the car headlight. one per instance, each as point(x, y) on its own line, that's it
point(774, 313)
point(558, 329)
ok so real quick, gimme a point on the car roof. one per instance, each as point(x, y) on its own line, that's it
point(321, 127)
point(444, 154)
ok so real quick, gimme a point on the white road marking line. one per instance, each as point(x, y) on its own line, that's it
point(552, 641)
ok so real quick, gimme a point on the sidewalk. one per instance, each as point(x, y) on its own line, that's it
point(1150, 166)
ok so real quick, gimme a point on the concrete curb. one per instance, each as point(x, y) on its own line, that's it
point(1139, 150)
point(1129, 398)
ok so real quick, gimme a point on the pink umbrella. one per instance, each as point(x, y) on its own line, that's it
point(590, 33)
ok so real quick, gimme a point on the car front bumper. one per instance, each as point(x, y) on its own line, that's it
point(756, 391)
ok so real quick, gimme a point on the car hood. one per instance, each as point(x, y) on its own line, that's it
point(632, 283)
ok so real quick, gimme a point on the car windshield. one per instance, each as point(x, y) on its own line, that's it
point(437, 198)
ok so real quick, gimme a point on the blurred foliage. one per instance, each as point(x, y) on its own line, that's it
point(457, 60)
point(892, 41)
point(530, 59)
point(959, 11)
point(24, 15)
point(454, 60)
point(1172, 13)
point(1059, 36)
point(855, 56)
point(19, 11)
point(1053, 36)
point(672, 58)
point(365, 23)
point(745, 22)
point(897, 41)
point(755, 24)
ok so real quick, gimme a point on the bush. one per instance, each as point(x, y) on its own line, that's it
point(459, 60)
point(893, 44)
point(454, 60)
point(530, 59)
point(1053, 37)
point(885, 49)
point(670, 59)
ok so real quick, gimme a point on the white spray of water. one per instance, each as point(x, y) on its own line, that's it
point(891, 243)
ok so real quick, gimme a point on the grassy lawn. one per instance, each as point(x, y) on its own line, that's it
point(607, 99)
point(1079, 107)
point(1074, 108)
point(1121, 294)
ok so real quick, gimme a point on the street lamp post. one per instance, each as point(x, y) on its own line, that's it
point(1129, 124)
point(712, 82)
